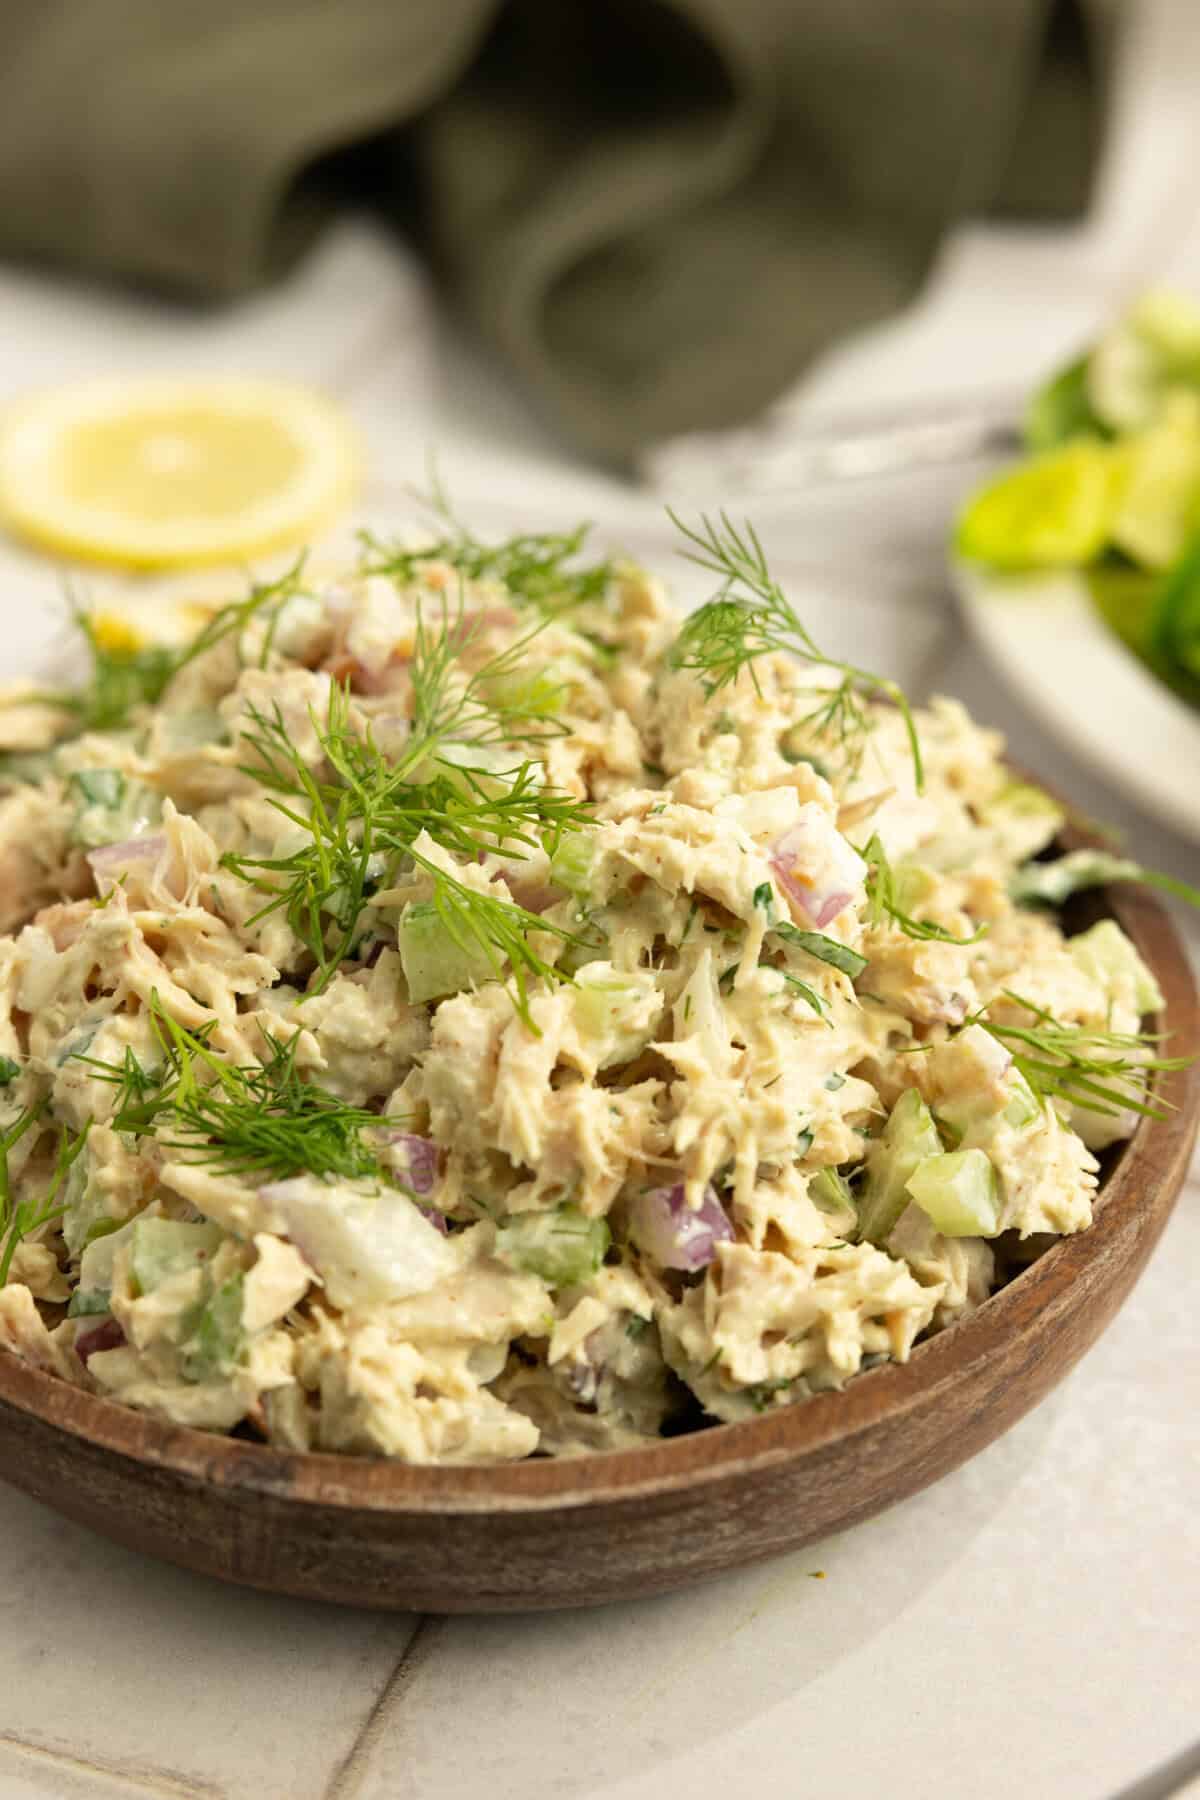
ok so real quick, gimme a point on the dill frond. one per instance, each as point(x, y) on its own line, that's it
point(1104, 1071)
point(884, 901)
point(125, 676)
point(19, 1218)
point(263, 1120)
point(363, 815)
point(539, 568)
point(751, 615)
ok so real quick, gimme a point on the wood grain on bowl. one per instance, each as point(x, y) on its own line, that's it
point(565, 1533)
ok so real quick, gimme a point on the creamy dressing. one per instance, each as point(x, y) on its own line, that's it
point(725, 1022)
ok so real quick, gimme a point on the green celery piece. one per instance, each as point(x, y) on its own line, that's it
point(160, 1248)
point(435, 963)
point(1054, 511)
point(563, 1247)
point(1024, 1106)
point(958, 1193)
point(531, 692)
point(99, 787)
point(9, 1070)
point(219, 1337)
point(86, 1303)
point(1104, 952)
point(909, 1138)
point(571, 862)
point(1060, 409)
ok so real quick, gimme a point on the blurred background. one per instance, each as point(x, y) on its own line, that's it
point(602, 256)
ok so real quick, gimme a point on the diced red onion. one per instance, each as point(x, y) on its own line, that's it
point(676, 1235)
point(109, 858)
point(107, 1335)
point(534, 896)
point(814, 844)
point(422, 1159)
point(437, 1219)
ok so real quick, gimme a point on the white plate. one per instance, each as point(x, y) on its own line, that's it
point(1051, 645)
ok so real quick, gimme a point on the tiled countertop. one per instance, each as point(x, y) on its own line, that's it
point(1028, 1627)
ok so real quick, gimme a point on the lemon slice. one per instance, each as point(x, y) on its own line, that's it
point(160, 472)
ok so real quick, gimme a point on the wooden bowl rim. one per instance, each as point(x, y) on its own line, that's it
point(696, 1459)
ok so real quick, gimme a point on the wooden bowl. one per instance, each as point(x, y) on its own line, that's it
point(569, 1533)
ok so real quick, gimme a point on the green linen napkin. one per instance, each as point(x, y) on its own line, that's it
point(657, 212)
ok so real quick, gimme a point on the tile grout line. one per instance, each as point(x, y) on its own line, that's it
point(161, 1783)
point(347, 1779)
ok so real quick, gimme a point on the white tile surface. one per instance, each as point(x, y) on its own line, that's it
point(160, 1676)
point(1028, 1627)
point(1010, 1624)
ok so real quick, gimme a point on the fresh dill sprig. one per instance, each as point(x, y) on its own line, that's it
point(19, 1218)
point(539, 568)
point(751, 615)
point(500, 703)
point(263, 1119)
point(884, 900)
point(363, 819)
point(126, 674)
point(1104, 1071)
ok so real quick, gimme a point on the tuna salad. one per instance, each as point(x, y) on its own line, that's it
point(467, 1010)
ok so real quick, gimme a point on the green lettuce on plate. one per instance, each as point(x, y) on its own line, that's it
point(1111, 486)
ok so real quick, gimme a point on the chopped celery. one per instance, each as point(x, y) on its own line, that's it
point(160, 1248)
point(100, 787)
point(109, 808)
point(87, 1302)
point(29, 766)
point(832, 1196)
point(909, 1138)
point(435, 962)
point(958, 1194)
point(831, 1191)
point(618, 1010)
point(533, 693)
point(571, 861)
point(1055, 511)
point(564, 1247)
point(216, 1343)
point(103, 1240)
point(1023, 1108)
point(1023, 800)
point(9, 1070)
point(1107, 955)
